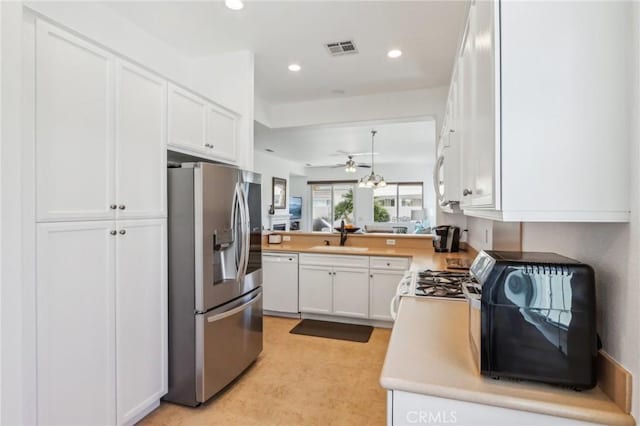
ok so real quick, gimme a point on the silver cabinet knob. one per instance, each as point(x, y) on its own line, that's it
point(113, 207)
point(122, 207)
point(113, 232)
point(467, 192)
point(123, 231)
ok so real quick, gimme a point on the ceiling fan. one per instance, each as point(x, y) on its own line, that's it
point(350, 166)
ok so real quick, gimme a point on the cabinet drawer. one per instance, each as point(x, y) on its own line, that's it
point(396, 263)
point(333, 260)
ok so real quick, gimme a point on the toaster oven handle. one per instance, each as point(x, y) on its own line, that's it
point(473, 299)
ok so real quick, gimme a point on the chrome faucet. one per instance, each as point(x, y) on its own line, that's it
point(343, 233)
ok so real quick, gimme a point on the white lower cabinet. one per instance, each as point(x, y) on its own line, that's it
point(316, 289)
point(382, 288)
point(407, 408)
point(75, 320)
point(349, 286)
point(351, 292)
point(101, 321)
point(141, 316)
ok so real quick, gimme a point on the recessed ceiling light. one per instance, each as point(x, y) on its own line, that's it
point(269, 150)
point(394, 53)
point(234, 4)
point(295, 67)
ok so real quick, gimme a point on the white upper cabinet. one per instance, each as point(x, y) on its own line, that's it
point(141, 315)
point(200, 127)
point(74, 127)
point(222, 133)
point(100, 133)
point(483, 104)
point(544, 123)
point(187, 120)
point(140, 136)
point(76, 366)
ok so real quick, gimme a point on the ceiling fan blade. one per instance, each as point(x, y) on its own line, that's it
point(341, 153)
point(364, 166)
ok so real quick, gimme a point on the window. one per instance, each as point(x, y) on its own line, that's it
point(394, 202)
point(330, 204)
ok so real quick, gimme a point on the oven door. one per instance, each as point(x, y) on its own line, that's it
point(228, 340)
point(470, 290)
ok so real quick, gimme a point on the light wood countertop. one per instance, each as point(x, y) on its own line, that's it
point(429, 354)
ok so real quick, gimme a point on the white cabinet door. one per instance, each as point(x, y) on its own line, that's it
point(140, 142)
point(466, 122)
point(141, 315)
point(187, 120)
point(316, 293)
point(221, 133)
point(76, 325)
point(351, 292)
point(484, 104)
point(382, 288)
point(74, 127)
point(280, 282)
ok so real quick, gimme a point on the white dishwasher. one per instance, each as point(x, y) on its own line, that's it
point(280, 282)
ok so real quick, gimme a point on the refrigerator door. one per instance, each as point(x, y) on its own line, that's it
point(228, 340)
point(221, 247)
point(250, 185)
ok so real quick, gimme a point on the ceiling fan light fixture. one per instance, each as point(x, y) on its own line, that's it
point(234, 4)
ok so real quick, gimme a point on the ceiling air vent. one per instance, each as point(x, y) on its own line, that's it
point(340, 48)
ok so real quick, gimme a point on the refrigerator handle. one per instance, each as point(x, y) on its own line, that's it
point(235, 310)
point(247, 230)
point(242, 240)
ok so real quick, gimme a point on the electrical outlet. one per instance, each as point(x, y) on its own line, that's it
point(286, 238)
point(391, 242)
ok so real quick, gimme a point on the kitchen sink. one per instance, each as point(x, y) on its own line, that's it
point(344, 249)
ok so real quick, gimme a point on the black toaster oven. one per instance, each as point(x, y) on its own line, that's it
point(533, 317)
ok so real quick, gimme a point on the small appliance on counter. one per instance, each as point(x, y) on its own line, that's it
point(275, 238)
point(532, 316)
point(446, 238)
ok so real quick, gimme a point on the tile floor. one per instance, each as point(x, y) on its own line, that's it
point(297, 380)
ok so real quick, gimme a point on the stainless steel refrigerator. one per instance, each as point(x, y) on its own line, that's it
point(215, 278)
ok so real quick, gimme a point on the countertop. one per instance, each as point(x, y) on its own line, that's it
point(446, 369)
point(424, 258)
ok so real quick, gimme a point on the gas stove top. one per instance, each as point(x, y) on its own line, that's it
point(445, 284)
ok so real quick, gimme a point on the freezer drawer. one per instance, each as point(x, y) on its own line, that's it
point(228, 340)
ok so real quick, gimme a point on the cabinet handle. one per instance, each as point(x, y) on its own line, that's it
point(371, 276)
point(467, 192)
point(122, 207)
point(122, 231)
point(388, 264)
point(113, 207)
point(113, 232)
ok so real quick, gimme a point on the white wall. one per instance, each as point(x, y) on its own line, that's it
point(270, 166)
point(384, 106)
point(392, 173)
point(12, 398)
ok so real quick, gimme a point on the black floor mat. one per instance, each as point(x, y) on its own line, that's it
point(333, 330)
